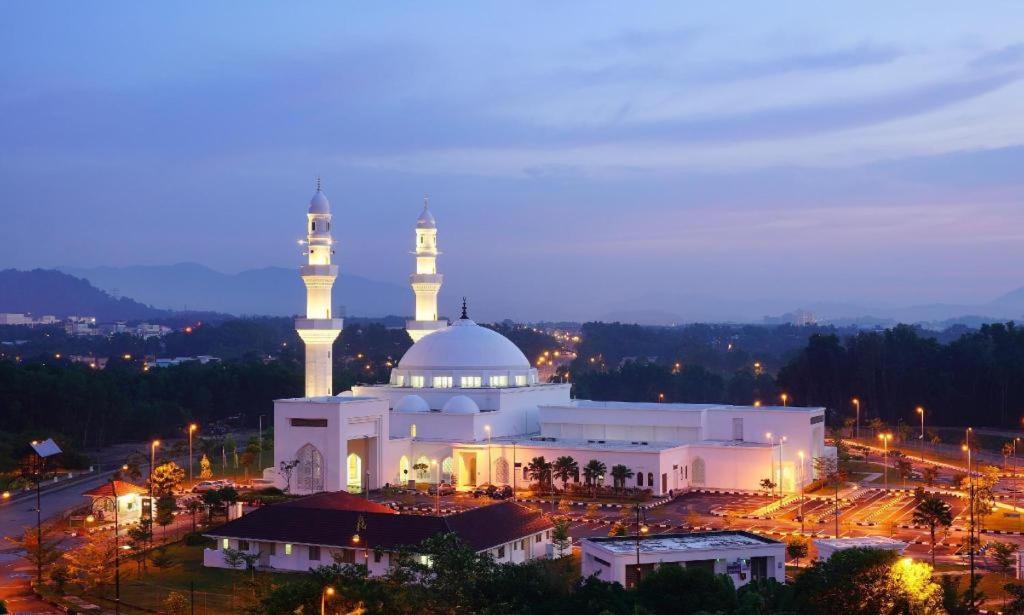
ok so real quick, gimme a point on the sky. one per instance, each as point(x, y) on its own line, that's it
point(580, 157)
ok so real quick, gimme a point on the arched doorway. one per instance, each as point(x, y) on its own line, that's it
point(404, 470)
point(310, 470)
point(423, 471)
point(447, 467)
point(355, 473)
point(699, 471)
point(501, 471)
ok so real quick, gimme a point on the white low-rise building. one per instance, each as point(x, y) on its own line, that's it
point(745, 557)
point(827, 547)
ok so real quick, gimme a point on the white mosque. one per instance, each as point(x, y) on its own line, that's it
point(464, 406)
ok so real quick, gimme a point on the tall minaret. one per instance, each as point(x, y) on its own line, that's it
point(318, 329)
point(426, 281)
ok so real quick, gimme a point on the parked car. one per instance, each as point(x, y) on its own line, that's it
point(441, 489)
point(485, 489)
point(502, 493)
point(206, 485)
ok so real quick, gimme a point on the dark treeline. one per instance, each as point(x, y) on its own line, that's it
point(977, 379)
point(645, 381)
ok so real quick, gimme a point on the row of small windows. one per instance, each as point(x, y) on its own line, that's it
point(312, 226)
point(465, 382)
point(313, 551)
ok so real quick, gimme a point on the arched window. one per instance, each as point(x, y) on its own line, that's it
point(650, 479)
point(312, 226)
point(355, 473)
point(424, 469)
point(412, 430)
point(447, 466)
point(310, 471)
point(501, 471)
point(699, 471)
point(639, 479)
point(404, 467)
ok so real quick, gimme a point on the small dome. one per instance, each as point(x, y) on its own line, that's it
point(426, 219)
point(319, 204)
point(412, 403)
point(464, 345)
point(460, 404)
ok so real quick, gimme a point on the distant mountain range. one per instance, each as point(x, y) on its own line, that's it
point(271, 291)
point(49, 292)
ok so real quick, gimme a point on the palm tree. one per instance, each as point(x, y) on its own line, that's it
point(620, 474)
point(563, 468)
point(592, 471)
point(933, 512)
point(540, 471)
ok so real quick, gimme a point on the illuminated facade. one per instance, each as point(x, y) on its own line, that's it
point(319, 328)
point(426, 281)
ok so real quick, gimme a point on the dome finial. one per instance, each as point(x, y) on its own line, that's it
point(464, 315)
point(318, 183)
point(426, 200)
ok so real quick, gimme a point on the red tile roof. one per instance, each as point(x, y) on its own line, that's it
point(123, 488)
point(338, 500)
point(480, 528)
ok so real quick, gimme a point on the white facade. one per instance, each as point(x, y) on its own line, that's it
point(827, 547)
point(426, 281)
point(740, 555)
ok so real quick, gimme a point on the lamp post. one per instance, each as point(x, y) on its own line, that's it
point(117, 552)
point(191, 430)
point(856, 404)
point(885, 437)
point(800, 455)
point(152, 462)
point(490, 480)
point(782, 441)
point(327, 591)
point(920, 410)
point(771, 458)
point(641, 528)
point(437, 488)
point(785, 399)
point(970, 529)
point(259, 439)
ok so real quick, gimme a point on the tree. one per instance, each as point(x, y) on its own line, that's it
point(90, 565)
point(138, 537)
point(674, 589)
point(930, 474)
point(560, 537)
point(796, 548)
point(933, 513)
point(768, 486)
point(829, 470)
point(166, 478)
point(60, 575)
point(165, 507)
point(194, 506)
point(1016, 605)
point(161, 559)
point(564, 468)
point(958, 480)
point(905, 469)
point(1004, 555)
point(866, 582)
point(421, 469)
point(288, 468)
point(620, 474)
point(593, 471)
point(176, 603)
point(539, 470)
point(205, 469)
point(41, 554)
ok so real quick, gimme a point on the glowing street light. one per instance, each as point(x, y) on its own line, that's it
point(785, 398)
point(191, 430)
point(327, 592)
point(856, 403)
point(885, 437)
point(920, 410)
point(152, 462)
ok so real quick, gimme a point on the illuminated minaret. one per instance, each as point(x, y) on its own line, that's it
point(426, 281)
point(319, 328)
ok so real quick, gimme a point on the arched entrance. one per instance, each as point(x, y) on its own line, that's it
point(354, 463)
point(404, 470)
point(699, 471)
point(501, 471)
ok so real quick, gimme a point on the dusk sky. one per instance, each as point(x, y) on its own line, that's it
point(580, 157)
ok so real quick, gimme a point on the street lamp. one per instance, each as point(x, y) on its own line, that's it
point(856, 404)
point(970, 528)
point(641, 529)
point(800, 454)
point(785, 398)
point(260, 439)
point(782, 441)
point(487, 428)
point(771, 458)
point(328, 591)
point(191, 430)
point(885, 437)
point(117, 551)
point(437, 488)
point(920, 410)
point(152, 463)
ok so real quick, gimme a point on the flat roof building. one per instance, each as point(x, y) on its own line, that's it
point(743, 556)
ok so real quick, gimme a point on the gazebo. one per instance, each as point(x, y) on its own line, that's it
point(128, 497)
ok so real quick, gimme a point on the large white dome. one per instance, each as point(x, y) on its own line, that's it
point(412, 403)
point(464, 346)
point(460, 404)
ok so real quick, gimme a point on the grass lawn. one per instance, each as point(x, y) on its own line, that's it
point(216, 590)
point(241, 472)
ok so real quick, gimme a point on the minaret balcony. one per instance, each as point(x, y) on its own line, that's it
point(426, 279)
point(319, 324)
point(325, 271)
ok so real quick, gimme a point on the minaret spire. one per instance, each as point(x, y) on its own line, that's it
point(464, 315)
point(319, 328)
point(426, 281)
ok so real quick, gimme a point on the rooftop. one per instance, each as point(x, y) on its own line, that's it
point(329, 520)
point(697, 541)
point(865, 542)
point(123, 488)
point(587, 404)
point(617, 445)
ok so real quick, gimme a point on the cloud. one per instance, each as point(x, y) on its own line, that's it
point(1011, 55)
